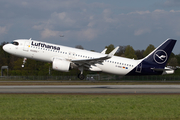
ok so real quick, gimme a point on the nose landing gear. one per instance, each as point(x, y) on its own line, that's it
point(24, 61)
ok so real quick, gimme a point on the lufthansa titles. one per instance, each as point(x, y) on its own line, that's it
point(43, 45)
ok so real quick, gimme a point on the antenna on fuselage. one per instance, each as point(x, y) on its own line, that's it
point(30, 38)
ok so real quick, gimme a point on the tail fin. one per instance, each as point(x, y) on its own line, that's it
point(160, 55)
point(155, 62)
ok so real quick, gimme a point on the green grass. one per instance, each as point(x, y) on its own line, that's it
point(88, 107)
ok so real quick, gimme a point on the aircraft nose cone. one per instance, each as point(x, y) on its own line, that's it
point(5, 48)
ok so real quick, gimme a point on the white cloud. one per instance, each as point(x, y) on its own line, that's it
point(91, 17)
point(24, 3)
point(140, 12)
point(141, 31)
point(107, 16)
point(87, 34)
point(159, 11)
point(62, 18)
point(49, 33)
point(175, 11)
point(88, 27)
point(91, 24)
point(178, 33)
point(3, 30)
point(38, 27)
point(172, 3)
point(88, 21)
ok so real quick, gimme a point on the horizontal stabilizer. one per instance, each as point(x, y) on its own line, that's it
point(166, 70)
point(158, 69)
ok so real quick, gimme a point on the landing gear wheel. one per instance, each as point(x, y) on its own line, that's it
point(81, 76)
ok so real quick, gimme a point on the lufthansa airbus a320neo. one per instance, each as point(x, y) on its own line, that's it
point(65, 58)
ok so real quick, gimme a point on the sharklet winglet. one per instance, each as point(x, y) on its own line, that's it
point(104, 51)
point(113, 52)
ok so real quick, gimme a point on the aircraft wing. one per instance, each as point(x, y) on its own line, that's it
point(89, 62)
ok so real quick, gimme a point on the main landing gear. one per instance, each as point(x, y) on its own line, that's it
point(80, 75)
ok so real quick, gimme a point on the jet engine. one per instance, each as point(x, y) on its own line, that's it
point(61, 65)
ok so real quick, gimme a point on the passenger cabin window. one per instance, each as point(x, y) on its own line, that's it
point(15, 43)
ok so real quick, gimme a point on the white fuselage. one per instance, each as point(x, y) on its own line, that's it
point(47, 52)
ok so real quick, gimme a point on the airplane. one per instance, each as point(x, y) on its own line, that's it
point(65, 58)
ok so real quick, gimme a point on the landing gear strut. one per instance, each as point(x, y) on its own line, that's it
point(24, 61)
point(80, 75)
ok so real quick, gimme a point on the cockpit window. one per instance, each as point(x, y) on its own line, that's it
point(15, 43)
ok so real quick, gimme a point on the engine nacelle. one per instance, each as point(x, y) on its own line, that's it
point(61, 65)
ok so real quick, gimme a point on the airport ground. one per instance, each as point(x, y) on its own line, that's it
point(65, 82)
point(96, 106)
point(89, 107)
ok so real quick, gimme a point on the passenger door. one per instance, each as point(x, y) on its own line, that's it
point(139, 68)
point(26, 46)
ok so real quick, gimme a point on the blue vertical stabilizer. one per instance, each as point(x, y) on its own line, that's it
point(155, 62)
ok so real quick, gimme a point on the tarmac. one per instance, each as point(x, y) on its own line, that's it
point(91, 89)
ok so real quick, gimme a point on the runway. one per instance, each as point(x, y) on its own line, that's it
point(91, 89)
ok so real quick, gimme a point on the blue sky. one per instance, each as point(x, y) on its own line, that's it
point(93, 24)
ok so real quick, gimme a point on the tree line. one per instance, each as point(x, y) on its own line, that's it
point(38, 68)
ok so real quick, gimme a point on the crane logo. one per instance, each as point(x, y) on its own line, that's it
point(160, 56)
